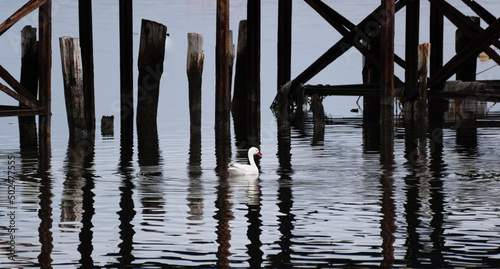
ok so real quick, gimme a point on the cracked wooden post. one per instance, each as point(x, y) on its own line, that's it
point(195, 60)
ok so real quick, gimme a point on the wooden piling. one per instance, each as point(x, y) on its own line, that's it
point(254, 50)
point(71, 62)
point(371, 75)
point(436, 106)
point(87, 50)
point(239, 105)
point(126, 68)
point(467, 71)
point(29, 79)
point(150, 64)
point(411, 51)
point(45, 71)
point(222, 83)
point(107, 125)
point(284, 41)
point(318, 119)
point(387, 62)
point(195, 60)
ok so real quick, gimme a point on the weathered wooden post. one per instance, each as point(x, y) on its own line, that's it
point(467, 71)
point(410, 93)
point(107, 125)
point(71, 62)
point(150, 64)
point(87, 50)
point(387, 83)
point(195, 61)
point(436, 107)
point(253, 37)
point(126, 69)
point(239, 103)
point(318, 119)
point(45, 71)
point(222, 83)
point(29, 79)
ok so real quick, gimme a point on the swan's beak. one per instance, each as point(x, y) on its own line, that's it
point(258, 154)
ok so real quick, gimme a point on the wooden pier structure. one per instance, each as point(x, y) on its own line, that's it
point(373, 37)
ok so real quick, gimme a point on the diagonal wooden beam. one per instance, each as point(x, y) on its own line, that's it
point(17, 96)
point(343, 45)
point(470, 29)
point(20, 13)
point(473, 48)
point(480, 11)
point(344, 26)
point(7, 77)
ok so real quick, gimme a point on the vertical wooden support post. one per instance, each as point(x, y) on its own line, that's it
point(239, 106)
point(150, 64)
point(387, 86)
point(86, 43)
point(222, 83)
point(29, 79)
point(467, 71)
point(45, 70)
point(253, 34)
point(424, 51)
point(387, 62)
point(411, 52)
point(126, 68)
point(371, 75)
point(436, 106)
point(71, 62)
point(195, 60)
point(284, 41)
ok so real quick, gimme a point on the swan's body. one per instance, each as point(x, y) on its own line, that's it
point(237, 169)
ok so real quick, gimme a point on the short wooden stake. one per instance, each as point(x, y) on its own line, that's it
point(29, 79)
point(318, 119)
point(195, 60)
point(107, 125)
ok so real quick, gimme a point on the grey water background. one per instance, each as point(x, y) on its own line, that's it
point(327, 205)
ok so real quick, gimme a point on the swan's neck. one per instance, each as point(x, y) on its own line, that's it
point(251, 160)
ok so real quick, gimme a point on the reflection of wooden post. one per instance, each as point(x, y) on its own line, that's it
point(195, 60)
point(222, 83)
point(29, 79)
point(150, 64)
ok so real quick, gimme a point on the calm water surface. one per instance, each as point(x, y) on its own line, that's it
point(327, 204)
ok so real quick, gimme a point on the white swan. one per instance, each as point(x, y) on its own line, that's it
point(237, 169)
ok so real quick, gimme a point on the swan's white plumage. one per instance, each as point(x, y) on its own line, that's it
point(238, 169)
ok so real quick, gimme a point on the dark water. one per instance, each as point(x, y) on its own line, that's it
point(330, 204)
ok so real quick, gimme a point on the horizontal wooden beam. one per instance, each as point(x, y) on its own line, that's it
point(20, 13)
point(8, 111)
point(343, 90)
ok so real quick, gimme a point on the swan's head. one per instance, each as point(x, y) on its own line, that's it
point(254, 151)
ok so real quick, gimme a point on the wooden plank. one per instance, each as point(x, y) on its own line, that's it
point(20, 13)
point(8, 111)
point(30, 100)
point(372, 89)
